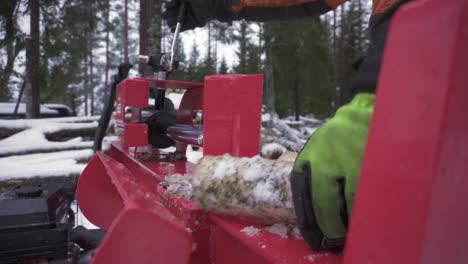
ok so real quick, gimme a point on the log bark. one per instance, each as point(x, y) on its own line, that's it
point(252, 188)
point(70, 133)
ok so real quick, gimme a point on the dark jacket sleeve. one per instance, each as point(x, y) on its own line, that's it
point(283, 9)
point(282, 13)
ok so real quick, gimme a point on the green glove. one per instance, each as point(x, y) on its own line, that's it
point(326, 173)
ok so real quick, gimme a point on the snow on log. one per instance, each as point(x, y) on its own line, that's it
point(59, 168)
point(34, 141)
point(253, 188)
point(53, 128)
point(292, 146)
point(81, 156)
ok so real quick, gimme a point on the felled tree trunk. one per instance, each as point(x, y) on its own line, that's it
point(70, 133)
point(254, 188)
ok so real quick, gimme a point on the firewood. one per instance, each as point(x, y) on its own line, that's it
point(254, 188)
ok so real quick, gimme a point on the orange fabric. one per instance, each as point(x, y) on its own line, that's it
point(380, 6)
point(283, 3)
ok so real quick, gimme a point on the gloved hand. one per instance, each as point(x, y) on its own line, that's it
point(326, 173)
point(199, 12)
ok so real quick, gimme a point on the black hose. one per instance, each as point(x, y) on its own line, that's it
point(106, 113)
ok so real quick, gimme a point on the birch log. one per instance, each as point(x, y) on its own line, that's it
point(253, 188)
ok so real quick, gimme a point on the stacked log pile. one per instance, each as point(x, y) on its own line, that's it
point(52, 150)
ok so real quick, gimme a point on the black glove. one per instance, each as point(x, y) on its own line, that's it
point(198, 13)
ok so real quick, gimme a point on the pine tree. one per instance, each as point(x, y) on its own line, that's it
point(269, 83)
point(150, 30)
point(12, 42)
point(223, 67)
point(242, 40)
point(193, 72)
point(352, 44)
point(301, 65)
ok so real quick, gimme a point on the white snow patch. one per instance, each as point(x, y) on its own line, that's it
point(223, 169)
point(9, 108)
point(23, 138)
point(34, 139)
point(255, 170)
point(44, 125)
point(296, 233)
point(308, 131)
point(43, 158)
point(81, 219)
point(66, 167)
point(266, 117)
point(194, 155)
point(107, 141)
point(311, 258)
point(251, 231)
point(279, 229)
point(264, 191)
point(176, 98)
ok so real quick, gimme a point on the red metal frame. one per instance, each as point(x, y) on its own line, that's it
point(409, 207)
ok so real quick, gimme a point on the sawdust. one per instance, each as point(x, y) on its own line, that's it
point(279, 229)
point(179, 185)
point(251, 231)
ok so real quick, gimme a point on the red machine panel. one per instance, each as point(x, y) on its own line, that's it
point(410, 206)
point(234, 112)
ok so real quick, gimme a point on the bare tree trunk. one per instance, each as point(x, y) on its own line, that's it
point(150, 30)
point(125, 33)
point(13, 45)
point(20, 96)
point(243, 47)
point(360, 33)
point(106, 69)
point(32, 106)
point(7, 71)
point(86, 85)
point(208, 56)
point(297, 106)
point(91, 74)
point(335, 83)
point(269, 93)
point(73, 103)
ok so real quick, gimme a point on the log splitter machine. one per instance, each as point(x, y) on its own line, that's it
point(421, 93)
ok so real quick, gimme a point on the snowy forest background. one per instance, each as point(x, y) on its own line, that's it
point(76, 45)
